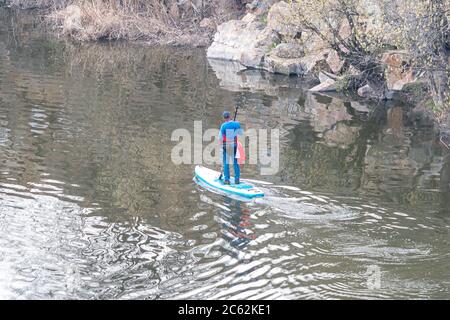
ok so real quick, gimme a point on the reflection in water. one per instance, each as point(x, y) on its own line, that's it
point(92, 207)
point(236, 223)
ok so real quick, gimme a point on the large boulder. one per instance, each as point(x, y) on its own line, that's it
point(397, 70)
point(272, 46)
point(246, 41)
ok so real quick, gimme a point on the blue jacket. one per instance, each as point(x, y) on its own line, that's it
point(229, 131)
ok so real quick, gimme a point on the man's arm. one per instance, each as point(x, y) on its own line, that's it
point(221, 132)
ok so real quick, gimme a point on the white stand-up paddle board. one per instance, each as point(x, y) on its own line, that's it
point(211, 179)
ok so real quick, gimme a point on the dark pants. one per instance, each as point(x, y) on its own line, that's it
point(229, 156)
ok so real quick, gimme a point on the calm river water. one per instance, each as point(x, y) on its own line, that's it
point(91, 205)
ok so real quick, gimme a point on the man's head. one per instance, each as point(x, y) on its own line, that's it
point(226, 115)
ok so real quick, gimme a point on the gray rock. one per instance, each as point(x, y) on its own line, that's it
point(324, 76)
point(325, 86)
point(366, 92)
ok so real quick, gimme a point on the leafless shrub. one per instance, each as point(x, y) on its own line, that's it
point(342, 26)
point(360, 31)
point(422, 28)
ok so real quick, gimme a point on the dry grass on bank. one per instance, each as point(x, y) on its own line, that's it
point(150, 20)
point(100, 19)
point(97, 19)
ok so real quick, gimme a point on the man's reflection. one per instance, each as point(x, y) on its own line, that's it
point(236, 223)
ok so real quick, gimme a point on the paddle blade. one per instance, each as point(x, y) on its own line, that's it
point(240, 153)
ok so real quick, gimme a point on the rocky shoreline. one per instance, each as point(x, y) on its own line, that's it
point(272, 45)
point(266, 39)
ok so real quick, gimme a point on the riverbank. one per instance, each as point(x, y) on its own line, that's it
point(371, 55)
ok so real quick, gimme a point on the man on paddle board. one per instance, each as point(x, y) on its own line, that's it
point(229, 132)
